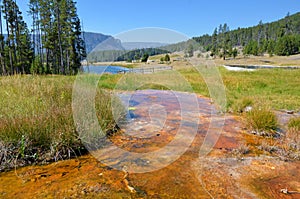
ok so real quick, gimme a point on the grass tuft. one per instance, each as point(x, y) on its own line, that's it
point(261, 121)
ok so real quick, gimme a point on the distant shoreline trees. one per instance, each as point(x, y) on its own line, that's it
point(54, 45)
point(124, 55)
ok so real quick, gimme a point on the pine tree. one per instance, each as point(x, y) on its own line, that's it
point(37, 65)
point(214, 49)
point(2, 45)
point(62, 45)
point(17, 47)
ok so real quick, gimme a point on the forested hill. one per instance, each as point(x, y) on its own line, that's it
point(263, 37)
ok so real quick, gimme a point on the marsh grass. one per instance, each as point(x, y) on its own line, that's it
point(36, 120)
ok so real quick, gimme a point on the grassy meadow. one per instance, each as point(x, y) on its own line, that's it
point(36, 120)
point(276, 88)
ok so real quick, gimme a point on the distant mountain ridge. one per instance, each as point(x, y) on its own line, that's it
point(100, 42)
point(140, 45)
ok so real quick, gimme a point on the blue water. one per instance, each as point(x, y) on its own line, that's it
point(104, 69)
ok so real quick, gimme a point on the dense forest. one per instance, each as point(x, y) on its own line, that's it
point(53, 45)
point(281, 38)
point(124, 55)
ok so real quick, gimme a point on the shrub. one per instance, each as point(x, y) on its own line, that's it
point(262, 121)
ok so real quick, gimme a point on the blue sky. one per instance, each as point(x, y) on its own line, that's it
point(190, 17)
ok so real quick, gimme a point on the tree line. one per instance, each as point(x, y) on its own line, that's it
point(53, 45)
point(124, 55)
point(281, 38)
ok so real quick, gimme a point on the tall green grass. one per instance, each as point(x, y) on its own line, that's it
point(36, 120)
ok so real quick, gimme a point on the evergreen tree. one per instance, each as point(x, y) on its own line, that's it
point(17, 49)
point(214, 49)
point(63, 47)
point(251, 48)
point(2, 45)
point(37, 64)
point(234, 53)
point(271, 47)
point(167, 58)
point(287, 45)
point(225, 44)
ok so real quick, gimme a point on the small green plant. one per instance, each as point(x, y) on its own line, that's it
point(261, 121)
point(23, 146)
